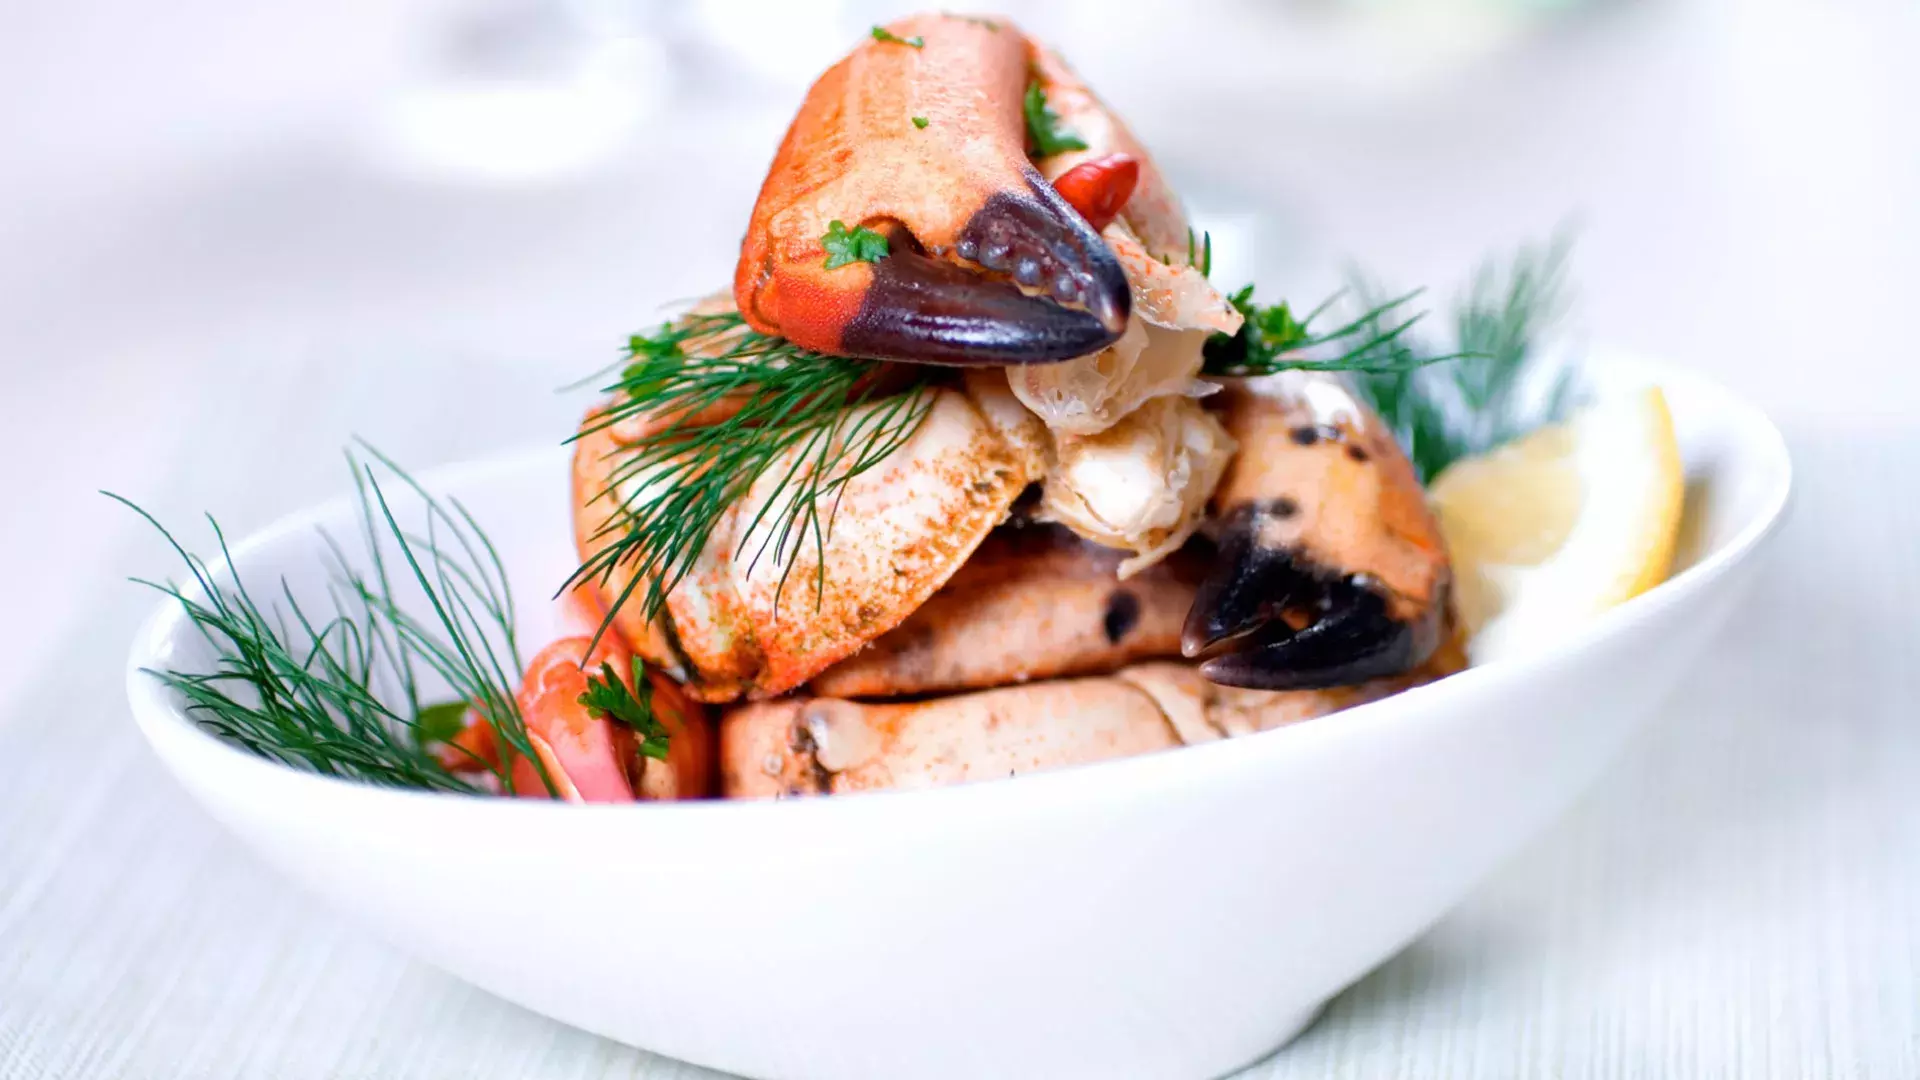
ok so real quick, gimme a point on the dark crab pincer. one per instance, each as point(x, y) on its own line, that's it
point(1330, 567)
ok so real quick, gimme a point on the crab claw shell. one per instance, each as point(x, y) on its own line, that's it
point(800, 746)
point(1032, 602)
point(753, 617)
point(958, 190)
point(1350, 639)
point(830, 746)
point(1330, 568)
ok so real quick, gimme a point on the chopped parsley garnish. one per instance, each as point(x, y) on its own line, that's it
point(607, 696)
point(844, 246)
point(882, 34)
point(1043, 127)
point(920, 122)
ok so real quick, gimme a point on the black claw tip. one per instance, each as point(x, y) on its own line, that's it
point(1265, 620)
point(923, 310)
point(1358, 642)
point(1251, 584)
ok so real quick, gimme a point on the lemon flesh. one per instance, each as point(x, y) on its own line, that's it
point(1555, 527)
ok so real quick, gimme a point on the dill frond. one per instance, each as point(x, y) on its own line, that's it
point(811, 422)
point(1273, 339)
point(1475, 403)
point(317, 691)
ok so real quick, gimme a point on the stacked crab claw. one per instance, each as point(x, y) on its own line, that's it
point(1085, 549)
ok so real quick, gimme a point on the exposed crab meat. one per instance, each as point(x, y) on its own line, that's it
point(815, 746)
point(1033, 602)
point(750, 617)
point(1331, 567)
point(1175, 310)
point(1142, 485)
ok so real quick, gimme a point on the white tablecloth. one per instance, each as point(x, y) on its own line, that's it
point(1739, 897)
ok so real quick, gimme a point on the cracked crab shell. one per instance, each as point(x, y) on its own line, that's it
point(758, 616)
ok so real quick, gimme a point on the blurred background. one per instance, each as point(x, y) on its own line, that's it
point(233, 234)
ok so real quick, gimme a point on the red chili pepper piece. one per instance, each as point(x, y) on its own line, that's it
point(1099, 188)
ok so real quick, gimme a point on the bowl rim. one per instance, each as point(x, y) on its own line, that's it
point(163, 721)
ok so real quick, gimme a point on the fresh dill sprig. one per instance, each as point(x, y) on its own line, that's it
point(1273, 339)
point(1044, 129)
point(607, 696)
point(1474, 404)
point(807, 422)
point(1201, 258)
point(317, 690)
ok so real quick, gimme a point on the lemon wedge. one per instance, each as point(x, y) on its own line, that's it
point(1562, 524)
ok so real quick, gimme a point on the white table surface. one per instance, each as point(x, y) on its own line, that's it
point(200, 299)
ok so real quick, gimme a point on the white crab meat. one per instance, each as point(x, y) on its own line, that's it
point(1142, 485)
point(1175, 310)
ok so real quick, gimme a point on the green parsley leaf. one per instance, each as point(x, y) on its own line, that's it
point(607, 696)
point(1043, 127)
point(858, 245)
point(439, 723)
point(881, 33)
point(920, 122)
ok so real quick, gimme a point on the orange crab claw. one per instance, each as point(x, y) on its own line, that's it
point(920, 137)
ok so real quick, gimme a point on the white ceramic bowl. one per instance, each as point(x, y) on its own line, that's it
point(1166, 916)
